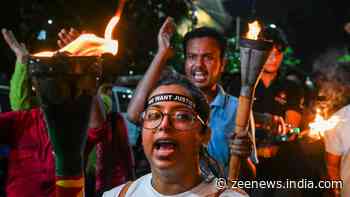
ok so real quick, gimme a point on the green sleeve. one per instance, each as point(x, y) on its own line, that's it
point(20, 88)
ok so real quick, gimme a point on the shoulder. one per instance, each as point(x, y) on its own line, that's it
point(343, 117)
point(140, 182)
point(211, 189)
point(337, 139)
point(344, 112)
point(113, 192)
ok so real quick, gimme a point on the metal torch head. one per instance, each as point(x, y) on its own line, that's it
point(66, 86)
point(63, 79)
point(253, 55)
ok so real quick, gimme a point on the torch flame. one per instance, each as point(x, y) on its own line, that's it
point(114, 21)
point(254, 30)
point(90, 44)
point(109, 29)
point(320, 125)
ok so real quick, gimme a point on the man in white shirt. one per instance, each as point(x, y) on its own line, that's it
point(333, 81)
point(337, 143)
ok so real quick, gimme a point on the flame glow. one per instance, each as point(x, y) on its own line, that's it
point(109, 29)
point(320, 125)
point(90, 44)
point(254, 30)
point(86, 45)
point(114, 20)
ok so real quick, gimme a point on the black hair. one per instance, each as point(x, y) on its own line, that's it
point(202, 105)
point(206, 32)
point(276, 35)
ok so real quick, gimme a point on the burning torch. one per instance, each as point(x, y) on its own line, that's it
point(253, 54)
point(320, 125)
point(66, 81)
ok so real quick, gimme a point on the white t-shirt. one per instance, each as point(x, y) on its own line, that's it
point(337, 142)
point(142, 187)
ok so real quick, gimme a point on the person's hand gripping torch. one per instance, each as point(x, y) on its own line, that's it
point(253, 54)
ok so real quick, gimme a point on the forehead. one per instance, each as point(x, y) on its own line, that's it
point(202, 45)
point(172, 89)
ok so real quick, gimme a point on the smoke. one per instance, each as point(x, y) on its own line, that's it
point(332, 77)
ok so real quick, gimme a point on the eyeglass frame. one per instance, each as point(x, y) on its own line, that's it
point(195, 115)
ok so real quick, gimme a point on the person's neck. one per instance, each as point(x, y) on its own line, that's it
point(175, 183)
point(268, 77)
point(211, 93)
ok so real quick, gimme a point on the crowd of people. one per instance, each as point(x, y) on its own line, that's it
point(187, 123)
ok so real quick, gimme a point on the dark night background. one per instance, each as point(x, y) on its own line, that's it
point(310, 25)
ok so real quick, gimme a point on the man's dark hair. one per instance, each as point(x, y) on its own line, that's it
point(276, 35)
point(173, 78)
point(206, 32)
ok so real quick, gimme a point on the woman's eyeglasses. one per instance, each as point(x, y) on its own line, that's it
point(180, 119)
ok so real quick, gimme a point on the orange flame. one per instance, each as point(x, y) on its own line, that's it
point(109, 29)
point(320, 125)
point(86, 45)
point(254, 30)
point(90, 44)
point(114, 21)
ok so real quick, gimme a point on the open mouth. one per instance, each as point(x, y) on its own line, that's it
point(165, 145)
point(199, 76)
point(164, 149)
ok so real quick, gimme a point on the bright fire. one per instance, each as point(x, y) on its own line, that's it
point(90, 44)
point(321, 125)
point(109, 29)
point(254, 30)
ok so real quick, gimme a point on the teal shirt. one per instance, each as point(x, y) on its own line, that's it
point(222, 124)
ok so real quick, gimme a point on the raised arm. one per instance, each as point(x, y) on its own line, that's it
point(20, 92)
point(154, 71)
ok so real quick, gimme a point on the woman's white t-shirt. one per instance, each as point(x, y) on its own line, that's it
point(142, 187)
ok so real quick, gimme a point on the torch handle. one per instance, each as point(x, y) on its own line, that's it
point(242, 118)
point(70, 186)
point(243, 113)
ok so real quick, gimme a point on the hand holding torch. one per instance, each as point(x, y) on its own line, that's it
point(253, 54)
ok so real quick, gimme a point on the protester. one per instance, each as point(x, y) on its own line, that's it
point(174, 132)
point(280, 98)
point(333, 82)
point(204, 50)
